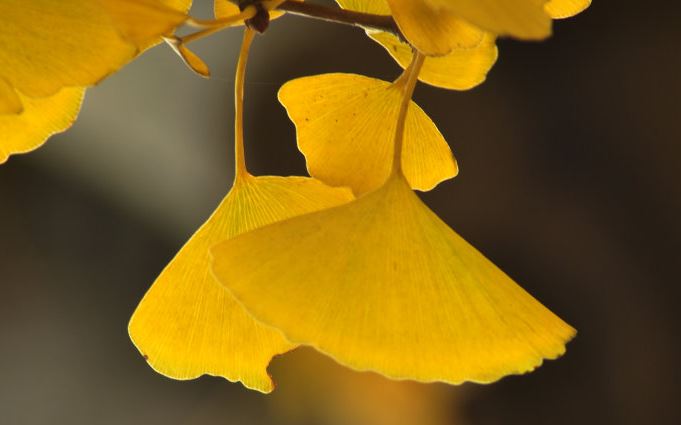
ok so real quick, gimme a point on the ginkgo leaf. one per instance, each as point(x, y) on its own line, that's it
point(433, 32)
point(187, 324)
point(47, 44)
point(346, 125)
point(559, 9)
point(40, 119)
point(523, 19)
point(383, 284)
point(462, 69)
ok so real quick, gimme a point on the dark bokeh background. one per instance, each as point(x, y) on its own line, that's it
point(570, 181)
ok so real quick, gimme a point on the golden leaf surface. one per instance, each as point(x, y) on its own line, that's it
point(346, 124)
point(40, 119)
point(523, 19)
point(10, 103)
point(461, 69)
point(383, 284)
point(187, 324)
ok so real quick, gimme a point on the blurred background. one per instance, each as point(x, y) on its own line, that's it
point(570, 181)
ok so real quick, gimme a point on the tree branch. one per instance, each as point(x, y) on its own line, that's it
point(341, 16)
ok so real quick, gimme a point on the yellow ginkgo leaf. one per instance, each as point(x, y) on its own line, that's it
point(40, 119)
point(559, 9)
point(523, 19)
point(383, 284)
point(187, 324)
point(433, 32)
point(346, 125)
point(47, 44)
point(462, 69)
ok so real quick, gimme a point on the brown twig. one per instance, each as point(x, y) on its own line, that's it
point(348, 17)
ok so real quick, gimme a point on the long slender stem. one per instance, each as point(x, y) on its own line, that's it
point(341, 16)
point(407, 81)
point(240, 170)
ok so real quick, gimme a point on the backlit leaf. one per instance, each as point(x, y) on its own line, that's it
point(524, 19)
point(383, 284)
point(187, 324)
point(346, 125)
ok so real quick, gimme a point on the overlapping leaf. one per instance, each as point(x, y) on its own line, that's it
point(187, 324)
point(461, 54)
point(383, 284)
point(346, 125)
